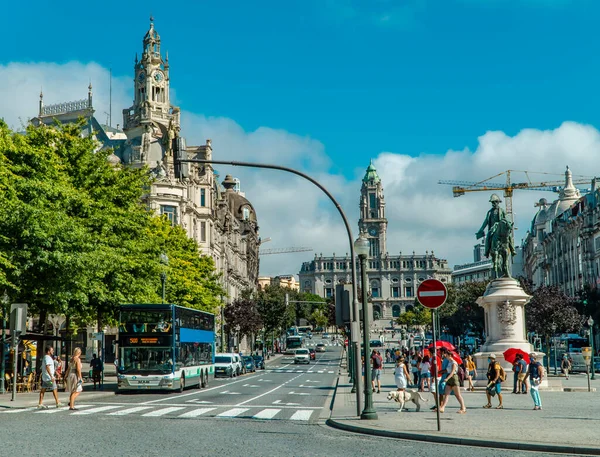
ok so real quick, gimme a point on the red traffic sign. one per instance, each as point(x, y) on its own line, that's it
point(432, 293)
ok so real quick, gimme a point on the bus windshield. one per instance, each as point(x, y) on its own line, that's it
point(155, 360)
point(293, 342)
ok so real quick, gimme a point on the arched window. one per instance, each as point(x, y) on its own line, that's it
point(375, 289)
point(246, 213)
point(377, 312)
point(396, 311)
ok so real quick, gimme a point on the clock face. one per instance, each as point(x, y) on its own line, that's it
point(373, 231)
point(142, 76)
point(158, 76)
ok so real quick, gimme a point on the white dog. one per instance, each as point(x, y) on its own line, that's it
point(406, 396)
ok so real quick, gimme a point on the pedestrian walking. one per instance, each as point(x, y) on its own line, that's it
point(425, 374)
point(414, 368)
point(452, 384)
point(495, 376)
point(97, 368)
point(536, 373)
point(471, 372)
point(48, 379)
point(376, 364)
point(401, 374)
point(521, 379)
point(74, 380)
point(565, 365)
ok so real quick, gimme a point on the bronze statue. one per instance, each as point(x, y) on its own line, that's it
point(499, 241)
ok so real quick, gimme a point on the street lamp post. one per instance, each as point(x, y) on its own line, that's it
point(590, 322)
point(3, 343)
point(164, 260)
point(361, 246)
point(554, 346)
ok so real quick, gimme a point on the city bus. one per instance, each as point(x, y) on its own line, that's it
point(164, 347)
point(292, 343)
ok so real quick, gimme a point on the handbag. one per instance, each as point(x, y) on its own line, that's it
point(491, 389)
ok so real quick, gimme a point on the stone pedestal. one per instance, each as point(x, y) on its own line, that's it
point(504, 304)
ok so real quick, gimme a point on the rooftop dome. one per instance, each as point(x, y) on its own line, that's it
point(371, 174)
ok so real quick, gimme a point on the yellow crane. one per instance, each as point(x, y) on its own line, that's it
point(461, 187)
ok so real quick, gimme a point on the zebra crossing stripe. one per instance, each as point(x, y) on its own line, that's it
point(268, 413)
point(302, 415)
point(163, 411)
point(96, 410)
point(16, 410)
point(197, 412)
point(233, 412)
point(56, 410)
point(125, 412)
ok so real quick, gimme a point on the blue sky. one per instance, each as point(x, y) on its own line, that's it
point(353, 79)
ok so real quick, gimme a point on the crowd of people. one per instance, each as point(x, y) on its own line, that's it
point(448, 374)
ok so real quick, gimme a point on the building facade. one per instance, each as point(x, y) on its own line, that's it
point(393, 279)
point(215, 214)
point(562, 247)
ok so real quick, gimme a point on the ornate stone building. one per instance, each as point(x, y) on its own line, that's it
point(393, 279)
point(218, 216)
point(562, 247)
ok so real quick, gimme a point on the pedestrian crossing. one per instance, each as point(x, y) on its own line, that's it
point(285, 369)
point(180, 412)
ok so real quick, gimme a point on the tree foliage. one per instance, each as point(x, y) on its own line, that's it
point(416, 317)
point(243, 314)
point(461, 314)
point(75, 237)
point(551, 311)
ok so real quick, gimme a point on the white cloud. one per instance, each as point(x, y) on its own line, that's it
point(422, 214)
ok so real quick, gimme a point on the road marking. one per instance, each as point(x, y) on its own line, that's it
point(96, 410)
point(289, 371)
point(125, 412)
point(162, 412)
point(268, 392)
point(226, 392)
point(321, 371)
point(308, 380)
point(266, 414)
point(310, 371)
point(250, 385)
point(298, 393)
point(202, 402)
point(302, 415)
point(56, 410)
point(17, 410)
point(278, 403)
point(330, 372)
point(197, 412)
point(233, 412)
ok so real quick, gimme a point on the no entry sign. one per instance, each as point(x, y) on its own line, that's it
point(432, 293)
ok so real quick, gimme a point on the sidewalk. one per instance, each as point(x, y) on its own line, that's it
point(567, 424)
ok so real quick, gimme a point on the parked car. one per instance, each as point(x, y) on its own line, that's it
point(325, 336)
point(225, 365)
point(320, 347)
point(302, 356)
point(313, 354)
point(259, 362)
point(237, 360)
point(249, 364)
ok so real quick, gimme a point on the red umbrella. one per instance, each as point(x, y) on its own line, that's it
point(511, 354)
point(442, 344)
point(456, 358)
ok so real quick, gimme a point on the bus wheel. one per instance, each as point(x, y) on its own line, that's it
point(205, 380)
point(182, 383)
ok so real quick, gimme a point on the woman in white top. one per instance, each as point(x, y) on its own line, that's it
point(401, 374)
point(425, 373)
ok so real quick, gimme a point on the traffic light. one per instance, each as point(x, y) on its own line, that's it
point(182, 169)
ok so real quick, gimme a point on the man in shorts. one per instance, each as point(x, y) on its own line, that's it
point(48, 379)
point(376, 364)
point(495, 383)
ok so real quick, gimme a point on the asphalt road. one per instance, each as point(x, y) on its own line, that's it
point(277, 411)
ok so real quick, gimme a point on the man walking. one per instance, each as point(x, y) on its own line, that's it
point(376, 364)
point(48, 380)
point(494, 375)
point(565, 365)
point(97, 367)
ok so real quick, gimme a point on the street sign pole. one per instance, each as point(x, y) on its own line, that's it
point(432, 294)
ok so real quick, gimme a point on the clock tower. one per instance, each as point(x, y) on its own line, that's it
point(152, 122)
point(372, 212)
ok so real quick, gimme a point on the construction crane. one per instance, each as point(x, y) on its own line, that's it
point(462, 187)
point(283, 250)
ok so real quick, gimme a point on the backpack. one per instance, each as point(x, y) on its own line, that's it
point(502, 376)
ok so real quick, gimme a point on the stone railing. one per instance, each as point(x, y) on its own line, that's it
point(67, 107)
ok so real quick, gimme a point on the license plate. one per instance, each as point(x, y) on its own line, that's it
point(143, 382)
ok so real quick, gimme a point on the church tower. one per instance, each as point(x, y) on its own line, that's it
point(152, 122)
point(372, 212)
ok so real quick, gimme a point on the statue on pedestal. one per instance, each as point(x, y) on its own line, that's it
point(499, 243)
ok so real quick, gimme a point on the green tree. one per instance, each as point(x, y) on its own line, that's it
point(415, 317)
point(461, 314)
point(243, 314)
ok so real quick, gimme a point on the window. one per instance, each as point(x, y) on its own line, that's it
point(328, 292)
point(202, 197)
point(396, 311)
point(375, 289)
point(203, 231)
point(170, 212)
point(372, 201)
point(246, 213)
point(395, 291)
point(408, 291)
